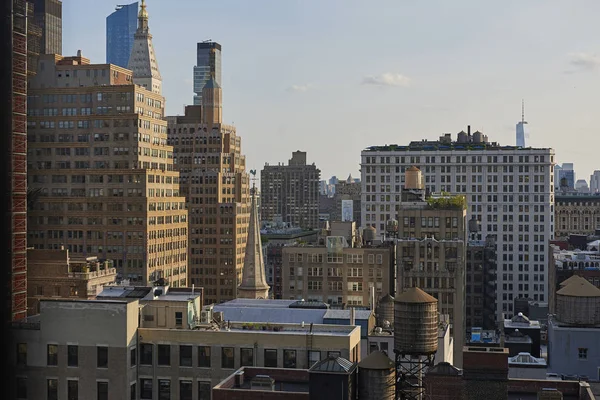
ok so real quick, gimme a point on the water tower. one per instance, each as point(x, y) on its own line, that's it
point(416, 324)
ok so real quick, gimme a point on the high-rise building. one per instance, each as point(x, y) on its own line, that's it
point(564, 179)
point(522, 128)
point(481, 284)
point(290, 193)
point(509, 190)
point(214, 181)
point(102, 172)
point(208, 65)
point(120, 29)
point(431, 251)
point(347, 201)
point(48, 16)
point(595, 182)
point(581, 186)
point(142, 61)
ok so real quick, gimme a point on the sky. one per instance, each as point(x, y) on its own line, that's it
point(332, 77)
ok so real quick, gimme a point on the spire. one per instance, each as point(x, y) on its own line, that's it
point(254, 285)
point(142, 61)
point(523, 110)
point(143, 18)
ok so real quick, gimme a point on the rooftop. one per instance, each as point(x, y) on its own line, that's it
point(333, 364)
point(265, 379)
point(579, 288)
point(415, 295)
point(523, 359)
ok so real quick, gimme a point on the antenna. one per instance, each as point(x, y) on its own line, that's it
point(522, 110)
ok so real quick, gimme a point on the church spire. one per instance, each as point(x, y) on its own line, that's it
point(254, 285)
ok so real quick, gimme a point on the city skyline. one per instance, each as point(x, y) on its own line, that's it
point(402, 94)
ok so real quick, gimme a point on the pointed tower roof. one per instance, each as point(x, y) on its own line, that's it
point(254, 285)
point(142, 61)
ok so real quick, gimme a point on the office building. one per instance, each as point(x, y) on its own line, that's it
point(431, 251)
point(142, 61)
point(522, 128)
point(595, 182)
point(508, 190)
point(291, 192)
point(481, 284)
point(48, 16)
point(99, 162)
point(121, 26)
point(581, 186)
point(53, 273)
point(214, 181)
point(564, 178)
point(347, 201)
point(208, 66)
point(576, 214)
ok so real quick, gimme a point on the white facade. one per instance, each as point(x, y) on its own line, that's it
point(142, 61)
point(508, 189)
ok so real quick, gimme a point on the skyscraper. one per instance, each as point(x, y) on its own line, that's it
point(595, 182)
point(48, 16)
point(565, 178)
point(208, 156)
point(208, 65)
point(522, 128)
point(142, 61)
point(120, 28)
point(510, 191)
point(291, 192)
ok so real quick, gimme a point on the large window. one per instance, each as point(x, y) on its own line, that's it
point(102, 390)
point(72, 389)
point(102, 356)
point(227, 357)
point(247, 357)
point(271, 358)
point(72, 355)
point(145, 388)
point(164, 389)
point(204, 356)
point(22, 353)
point(52, 358)
point(52, 389)
point(185, 356)
point(185, 390)
point(289, 358)
point(204, 389)
point(164, 354)
point(21, 388)
point(146, 354)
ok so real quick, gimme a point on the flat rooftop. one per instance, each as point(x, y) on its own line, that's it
point(265, 379)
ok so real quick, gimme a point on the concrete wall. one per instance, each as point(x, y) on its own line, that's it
point(563, 351)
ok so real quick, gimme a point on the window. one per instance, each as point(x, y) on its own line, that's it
point(334, 354)
point(204, 356)
point(132, 392)
point(247, 357)
point(178, 318)
point(185, 356)
point(583, 353)
point(21, 353)
point(102, 356)
point(185, 390)
point(133, 357)
point(146, 354)
point(52, 389)
point(289, 358)
point(72, 355)
point(102, 390)
point(164, 354)
point(271, 358)
point(52, 354)
point(227, 357)
point(204, 390)
point(314, 356)
point(164, 389)
point(146, 388)
point(21, 388)
point(72, 389)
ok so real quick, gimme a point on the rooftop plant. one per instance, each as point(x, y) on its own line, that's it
point(448, 202)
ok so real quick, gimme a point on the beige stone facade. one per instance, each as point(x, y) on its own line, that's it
point(99, 162)
point(343, 276)
point(215, 184)
point(52, 273)
point(576, 214)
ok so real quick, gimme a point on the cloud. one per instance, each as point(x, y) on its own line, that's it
point(584, 61)
point(387, 79)
point(299, 88)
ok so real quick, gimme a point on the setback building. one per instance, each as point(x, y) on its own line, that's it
point(208, 66)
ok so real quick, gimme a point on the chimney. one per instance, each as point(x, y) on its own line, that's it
point(469, 130)
point(78, 53)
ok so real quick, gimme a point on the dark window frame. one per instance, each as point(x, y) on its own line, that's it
point(289, 363)
point(245, 363)
point(71, 395)
point(227, 362)
point(51, 358)
point(186, 361)
point(133, 356)
point(144, 390)
point(21, 387)
point(163, 352)
point(100, 392)
point(164, 390)
point(204, 359)
point(21, 355)
point(72, 355)
point(186, 389)
point(146, 355)
point(204, 390)
point(269, 364)
point(101, 357)
point(52, 390)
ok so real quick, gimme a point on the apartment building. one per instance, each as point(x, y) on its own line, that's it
point(101, 173)
point(54, 274)
point(290, 193)
point(576, 214)
point(112, 357)
point(214, 181)
point(481, 284)
point(509, 190)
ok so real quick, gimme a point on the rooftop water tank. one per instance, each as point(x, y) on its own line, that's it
point(415, 322)
point(376, 377)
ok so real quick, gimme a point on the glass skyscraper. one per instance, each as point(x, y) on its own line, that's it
point(120, 28)
point(208, 64)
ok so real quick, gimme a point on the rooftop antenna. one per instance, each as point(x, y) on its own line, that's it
point(522, 110)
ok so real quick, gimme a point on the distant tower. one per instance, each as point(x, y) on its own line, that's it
point(121, 26)
point(254, 284)
point(522, 128)
point(142, 61)
point(208, 65)
point(212, 103)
